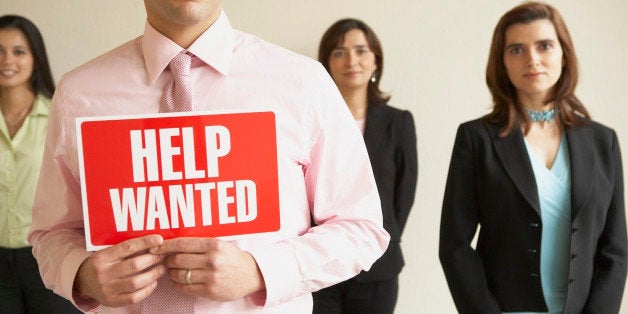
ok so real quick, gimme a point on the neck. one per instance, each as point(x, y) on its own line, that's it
point(539, 106)
point(16, 99)
point(357, 102)
point(183, 35)
point(536, 102)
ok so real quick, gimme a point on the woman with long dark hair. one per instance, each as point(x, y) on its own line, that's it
point(26, 87)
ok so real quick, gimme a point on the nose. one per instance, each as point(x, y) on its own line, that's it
point(533, 58)
point(352, 58)
point(5, 57)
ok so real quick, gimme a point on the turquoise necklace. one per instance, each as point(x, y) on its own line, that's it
point(540, 115)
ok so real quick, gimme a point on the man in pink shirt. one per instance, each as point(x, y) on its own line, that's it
point(324, 175)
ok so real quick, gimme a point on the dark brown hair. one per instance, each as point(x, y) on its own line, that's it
point(334, 36)
point(507, 111)
point(41, 79)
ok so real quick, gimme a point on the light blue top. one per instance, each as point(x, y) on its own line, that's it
point(554, 187)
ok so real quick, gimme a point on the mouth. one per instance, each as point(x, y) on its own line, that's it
point(534, 74)
point(354, 73)
point(7, 72)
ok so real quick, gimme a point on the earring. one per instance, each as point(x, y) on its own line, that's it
point(373, 78)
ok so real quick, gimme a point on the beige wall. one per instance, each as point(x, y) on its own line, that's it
point(435, 55)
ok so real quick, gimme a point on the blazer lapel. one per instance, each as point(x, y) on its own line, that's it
point(582, 164)
point(373, 128)
point(514, 157)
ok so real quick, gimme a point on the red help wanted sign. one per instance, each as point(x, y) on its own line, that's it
point(180, 174)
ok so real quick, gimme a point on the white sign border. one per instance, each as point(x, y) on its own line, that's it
point(79, 146)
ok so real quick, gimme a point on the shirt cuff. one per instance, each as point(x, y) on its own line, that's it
point(70, 270)
point(280, 272)
point(85, 303)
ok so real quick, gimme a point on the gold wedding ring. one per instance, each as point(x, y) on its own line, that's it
point(188, 274)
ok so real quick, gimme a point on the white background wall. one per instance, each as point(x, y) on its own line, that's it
point(435, 57)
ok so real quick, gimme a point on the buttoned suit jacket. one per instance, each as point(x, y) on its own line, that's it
point(390, 140)
point(491, 183)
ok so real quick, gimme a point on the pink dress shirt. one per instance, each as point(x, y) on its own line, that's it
point(324, 170)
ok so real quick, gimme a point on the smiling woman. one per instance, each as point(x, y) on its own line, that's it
point(16, 69)
point(25, 90)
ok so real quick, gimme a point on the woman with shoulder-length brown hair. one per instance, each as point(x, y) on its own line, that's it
point(353, 56)
point(507, 109)
point(543, 181)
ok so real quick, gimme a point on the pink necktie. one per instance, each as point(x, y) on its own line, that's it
point(167, 299)
point(178, 94)
point(176, 97)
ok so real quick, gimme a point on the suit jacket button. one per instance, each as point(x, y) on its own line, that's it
point(571, 280)
point(531, 251)
point(574, 255)
point(534, 275)
point(534, 225)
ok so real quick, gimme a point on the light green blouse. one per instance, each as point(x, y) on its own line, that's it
point(20, 160)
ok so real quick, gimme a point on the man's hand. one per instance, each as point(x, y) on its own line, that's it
point(219, 270)
point(123, 274)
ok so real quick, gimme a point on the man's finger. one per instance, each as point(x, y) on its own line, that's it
point(185, 245)
point(129, 247)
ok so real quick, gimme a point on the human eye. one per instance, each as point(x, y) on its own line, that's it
point(363, 51)
point(19, 52)
point(546, 45)
point(338, 53)
point(515, 50)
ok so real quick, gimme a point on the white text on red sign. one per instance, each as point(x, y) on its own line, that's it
point(147, 206)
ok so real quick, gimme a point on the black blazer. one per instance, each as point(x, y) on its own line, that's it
point(390, 140)
point(491, 183)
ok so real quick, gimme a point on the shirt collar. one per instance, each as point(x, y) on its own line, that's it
point(40, 106)
point(214, 47)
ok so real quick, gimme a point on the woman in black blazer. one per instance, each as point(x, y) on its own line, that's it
point(549, 241)
point(352, 54)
